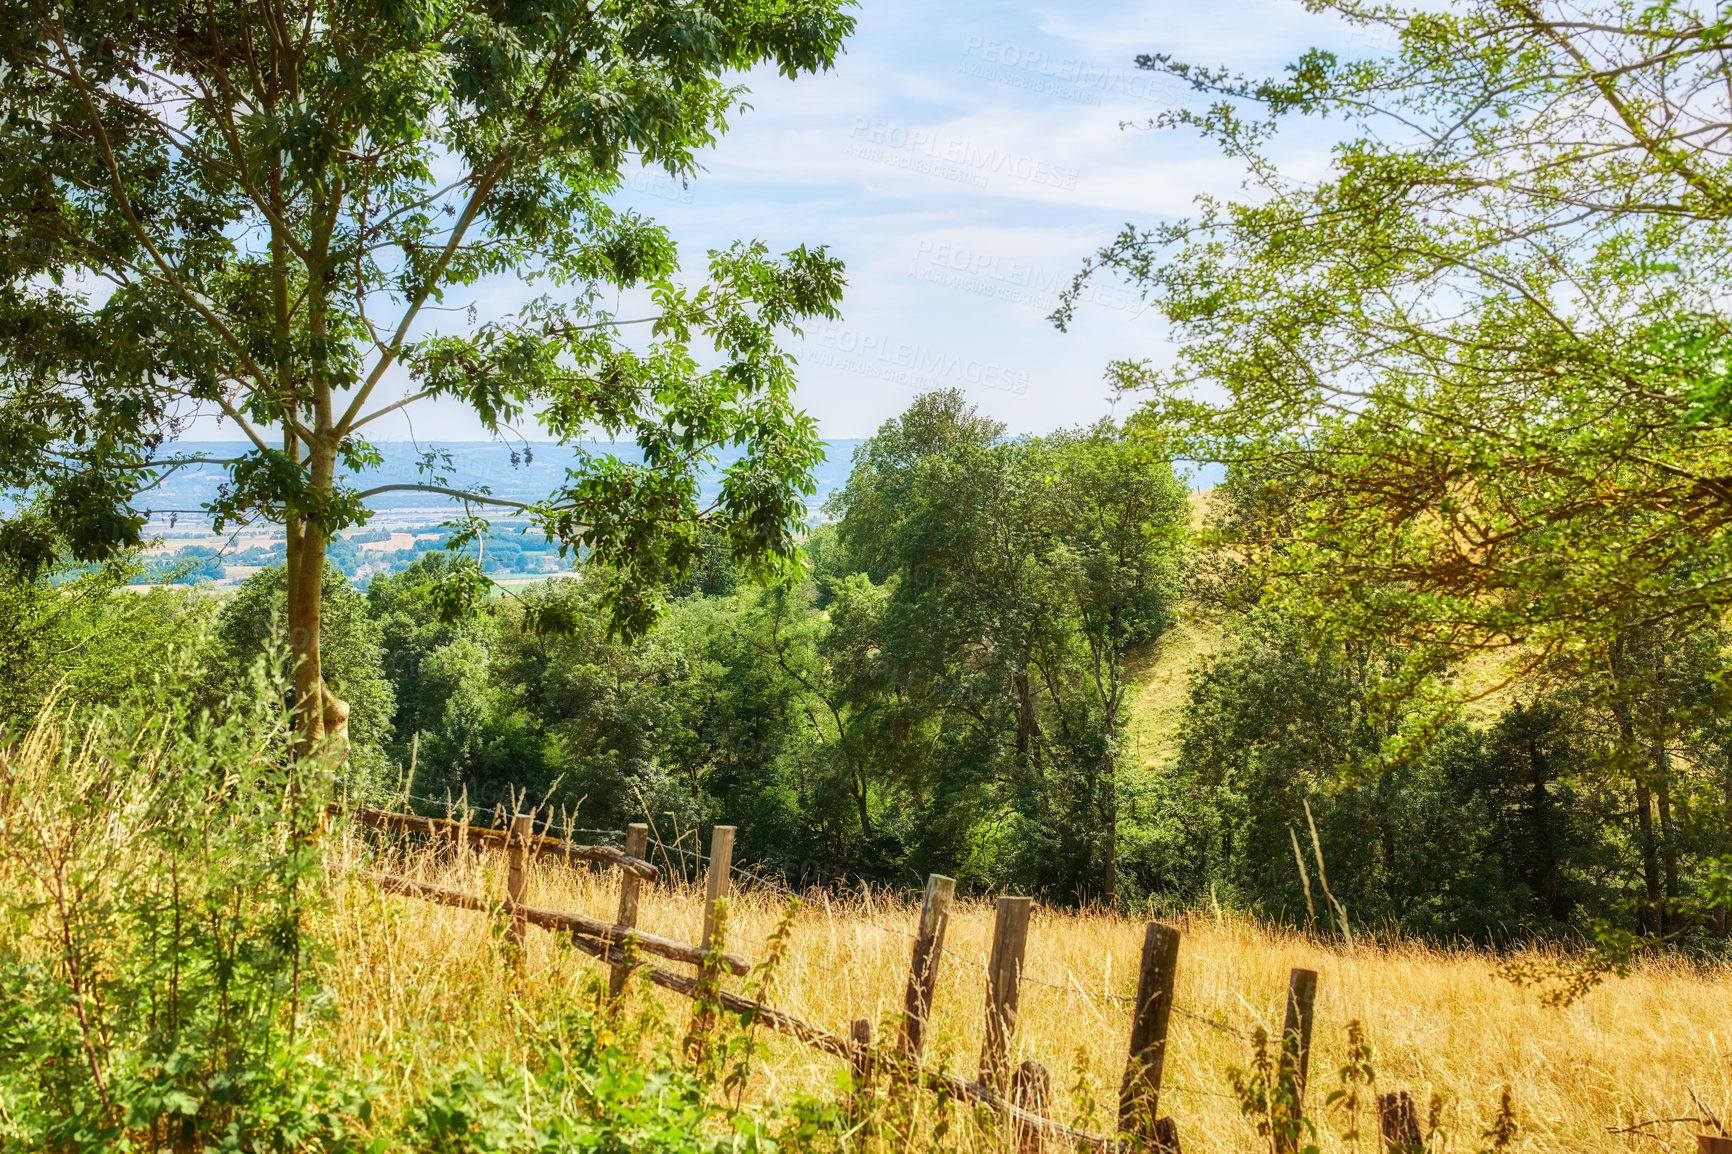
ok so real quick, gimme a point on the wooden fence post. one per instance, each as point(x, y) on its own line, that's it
point(923, 966)
point(860, 1065)
point(636, 844)
point(1713, 1144)
point(1398, 1119)
point(522, 829)
point(716, 884)
point(1030, 1090)
point(716, 888)
point(1003, 988)
point(1296, 1049)
point(1140, 1093)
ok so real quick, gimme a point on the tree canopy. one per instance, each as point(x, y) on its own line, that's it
point(1472, 390)
point(1481, 366)
point(263, 211)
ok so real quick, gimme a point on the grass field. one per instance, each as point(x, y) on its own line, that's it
point(419, 985)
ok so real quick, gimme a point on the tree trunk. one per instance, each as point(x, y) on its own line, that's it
point(1630, 748)
point(1723, 912)
point(1110, 882)
point(1645, 841)
point(1650, 859)
point(306, 569)
point(1027, 726)
point(860, 799)
point(1668, 835)
point(321, 718)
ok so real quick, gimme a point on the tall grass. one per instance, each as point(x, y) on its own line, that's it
point(215, 936)
point(422, 982)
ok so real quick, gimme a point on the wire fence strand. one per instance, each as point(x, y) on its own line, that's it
point(1072, 987)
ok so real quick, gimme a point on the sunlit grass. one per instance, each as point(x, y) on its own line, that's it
point(418, 985)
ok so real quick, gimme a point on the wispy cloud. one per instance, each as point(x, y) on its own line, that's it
point(963, 159)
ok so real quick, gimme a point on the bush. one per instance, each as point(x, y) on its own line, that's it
point(157, 882)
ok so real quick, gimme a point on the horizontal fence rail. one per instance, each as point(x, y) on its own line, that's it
point(558, 920)
point(844, 1048)
point(540, 845)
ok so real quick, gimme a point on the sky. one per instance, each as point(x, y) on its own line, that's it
point(963, 159)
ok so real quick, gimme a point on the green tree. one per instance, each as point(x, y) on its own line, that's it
point(80, 636)
point(1020, 575)
point(1483, 359)
point(1481, 365)
point(272, 195)
point(1127, 516)
point(1652, 697)
point(412, 627)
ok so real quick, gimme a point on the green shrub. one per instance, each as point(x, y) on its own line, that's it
point(157, 884)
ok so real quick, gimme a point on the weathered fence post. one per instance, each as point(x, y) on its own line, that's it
point(1140, 1094)
point(522, 829)
point(860, 1066)
point(1030, 1089)
point(1398, 1119)
point(1003, 987)
point(1296, 1050)
point(923, 966)
point(1713, 1144)
point(636, 844)
point(716, 885)
point(716, 888)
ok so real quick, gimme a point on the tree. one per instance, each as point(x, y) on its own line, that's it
point(250, 625)
point(1019, 574)
point(1484, 361)
point(1480, 371)
point(273, 197)
point(1127, 515)
point(874, 502)
point(79, 637)
point(1500, 834)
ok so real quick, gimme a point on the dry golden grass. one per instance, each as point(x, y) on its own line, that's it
point(1161, 674)
point(420, 985)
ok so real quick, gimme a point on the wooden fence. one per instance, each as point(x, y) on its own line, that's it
point(1019, 1096)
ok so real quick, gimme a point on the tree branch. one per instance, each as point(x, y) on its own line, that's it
point(459, 494)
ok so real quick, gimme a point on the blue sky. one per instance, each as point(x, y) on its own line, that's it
point(963, 159)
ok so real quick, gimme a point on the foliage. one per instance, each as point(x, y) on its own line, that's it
point(158, 973)
point(1516, 829)
point(274, 218)
point(1270, 1097)
point(1501, 1134)
point(165, 909)
point(1355, 1095)
point(960, 712)
point(252, 622)
point(1021, 574)
point(80, 636)
point(1470, 387)
point(1468, 358)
